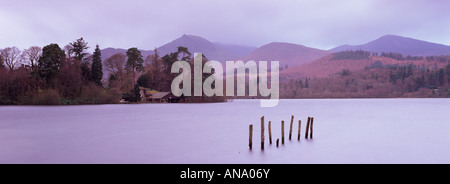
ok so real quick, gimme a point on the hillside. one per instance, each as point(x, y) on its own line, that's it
point(237, 50)
point(287, 53)
point(324, 67)
point(399, 44)
point(367, 77)
point(329, 65)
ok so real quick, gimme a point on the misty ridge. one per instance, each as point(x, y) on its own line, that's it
point(390, 66)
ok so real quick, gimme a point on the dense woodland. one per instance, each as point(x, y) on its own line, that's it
point(62, 76)
point(414, 77)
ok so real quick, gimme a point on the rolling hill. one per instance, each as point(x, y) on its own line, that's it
point(329, 65)
point(287, 53)
point(324, 67)
point(399, 44)
point(237, 50)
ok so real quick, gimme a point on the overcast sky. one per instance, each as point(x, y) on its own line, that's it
point(151, 23)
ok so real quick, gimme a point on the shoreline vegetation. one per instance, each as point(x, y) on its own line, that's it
point(71, 76)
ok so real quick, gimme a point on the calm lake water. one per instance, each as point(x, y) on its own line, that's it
point(345, 131)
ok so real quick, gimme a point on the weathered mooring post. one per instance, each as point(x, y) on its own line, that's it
point(290, 127)
point(307, 127)
point(262, 132)
point(270, 132)
point(308, 131)
point(299, 128)
point(282, 132)
point(250, 136)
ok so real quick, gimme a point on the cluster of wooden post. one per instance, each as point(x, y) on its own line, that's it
point(308, 131)
point(309, 126)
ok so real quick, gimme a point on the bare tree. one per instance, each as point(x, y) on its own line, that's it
point(11, 56)
point(68, 49)
point(115, 64)
point(32, 55)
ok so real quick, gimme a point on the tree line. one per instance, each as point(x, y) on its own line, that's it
point(53, 75)
point(61, 76)
point(361, 54)
point(352, 55)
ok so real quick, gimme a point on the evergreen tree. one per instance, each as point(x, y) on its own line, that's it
point(137, 93)
point(50, 62)
point(186, 55)
point(168, 60)
point(134, 62)
point(134, 95)
point(300, 83)
point(85, 72)
point(448, 70)
point(144, 81)
point(441, 76)
point(79, 47)
point(112, 77)
point(306, 83)
point(97, 67)
point(420, 82)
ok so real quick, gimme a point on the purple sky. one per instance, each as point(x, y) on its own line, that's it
point(148, 24)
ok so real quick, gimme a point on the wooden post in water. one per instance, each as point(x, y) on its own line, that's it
point(307, 127)
point(270, 132)
point(290, 128)
point(250, 137)
point(262, 133)
point(278, 142)
point(282, 132)
point(311, 134)
point(299, 128)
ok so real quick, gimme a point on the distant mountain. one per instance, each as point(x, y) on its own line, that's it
point(198, 44)
point(399, 44)
point(238, 50)
point(214, 51)
point(108, 52)
point(287, 53)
